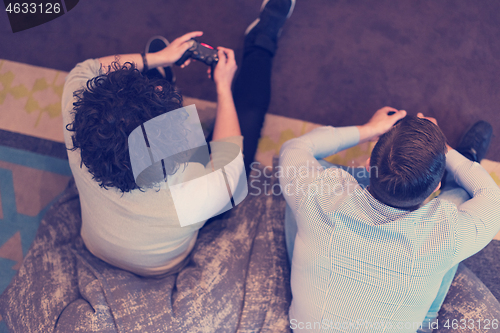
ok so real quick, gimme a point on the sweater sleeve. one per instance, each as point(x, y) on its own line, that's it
point(478, 219)
point(298, 158)
point(76, 80)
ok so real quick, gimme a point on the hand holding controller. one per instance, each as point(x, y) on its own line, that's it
point(202, 52)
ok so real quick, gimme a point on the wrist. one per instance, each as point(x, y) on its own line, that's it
point(366, 133)
point(223, 89)
point(155, 60)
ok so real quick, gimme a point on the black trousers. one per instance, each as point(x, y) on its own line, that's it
point(252, 94)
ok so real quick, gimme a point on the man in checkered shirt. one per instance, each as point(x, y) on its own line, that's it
point(368, 254)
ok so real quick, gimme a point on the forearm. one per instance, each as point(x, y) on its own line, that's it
point(153, 60)
point(471, 176)
point(325, 141)
point(477, 219)
point(365, 133)
point(226, 120)
point(484, 206)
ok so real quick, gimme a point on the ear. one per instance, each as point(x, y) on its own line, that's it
point(437, 188)
point(367, 165)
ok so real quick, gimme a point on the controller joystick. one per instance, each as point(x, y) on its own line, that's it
point(201, 52)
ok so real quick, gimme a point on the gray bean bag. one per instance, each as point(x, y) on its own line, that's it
point(237, 280)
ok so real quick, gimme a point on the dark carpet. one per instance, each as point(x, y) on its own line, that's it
point(337, 63)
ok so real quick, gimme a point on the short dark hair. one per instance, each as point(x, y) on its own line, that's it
point(110, 107)
point(407, 163)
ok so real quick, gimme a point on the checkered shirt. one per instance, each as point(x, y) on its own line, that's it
point(362, 266)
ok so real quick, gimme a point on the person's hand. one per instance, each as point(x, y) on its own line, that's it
point(380, 123)
point(434, 121)
point(225, 69)
point(174, 51)
point(431, 119)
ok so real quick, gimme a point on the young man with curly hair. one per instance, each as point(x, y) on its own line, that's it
point(132, 227)
point(367, 254)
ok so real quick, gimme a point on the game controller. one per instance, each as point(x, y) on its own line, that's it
point(201, 52)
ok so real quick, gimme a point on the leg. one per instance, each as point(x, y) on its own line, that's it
point(252, 87)
point(473, 145)
point(290, 232)
point(252, 94)
point(432, 314)
point(455, 194)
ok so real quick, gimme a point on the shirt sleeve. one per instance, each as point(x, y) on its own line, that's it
point(227, 153)
point(298, 158)
point(478, 219)
point(76, 80)
point(206, 184)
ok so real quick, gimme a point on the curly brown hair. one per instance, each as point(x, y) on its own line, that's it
point(110, 107)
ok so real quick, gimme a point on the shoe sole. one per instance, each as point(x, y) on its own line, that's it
point(163, 39)
point(257, 20)
point(160, 69)
point(464, 136)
